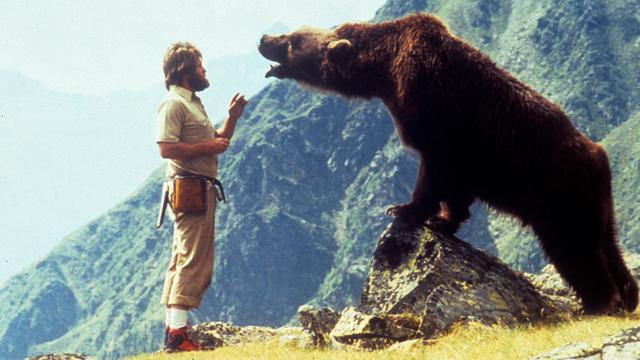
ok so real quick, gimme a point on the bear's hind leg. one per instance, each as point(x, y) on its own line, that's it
point(576, 252)
point(589, 276)
point(626, 284)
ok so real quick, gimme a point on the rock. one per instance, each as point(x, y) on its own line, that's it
point(318, 323)
point(375, 331)
point(550, 283)
point(207, 336)
point(571, 351)
point(432, 281)
point(215, 334)
point(407, 345)
point(302, 340)
point(60, 357)
point(623, 346)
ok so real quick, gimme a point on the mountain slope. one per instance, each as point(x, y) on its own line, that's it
point(623, 145)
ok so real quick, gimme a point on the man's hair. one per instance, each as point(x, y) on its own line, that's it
point(181, 59)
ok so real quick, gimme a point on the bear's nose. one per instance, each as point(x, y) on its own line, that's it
point(263, 39)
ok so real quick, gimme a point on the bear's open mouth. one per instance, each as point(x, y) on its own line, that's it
point(274, 49)
point(276, 70)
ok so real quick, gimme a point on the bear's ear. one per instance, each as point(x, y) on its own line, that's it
point(339, 50)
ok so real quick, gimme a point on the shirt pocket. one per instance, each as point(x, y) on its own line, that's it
point(196, 131)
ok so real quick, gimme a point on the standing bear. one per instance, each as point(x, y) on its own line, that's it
point(480, 133)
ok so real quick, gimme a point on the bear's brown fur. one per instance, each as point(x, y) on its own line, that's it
point(480, 133)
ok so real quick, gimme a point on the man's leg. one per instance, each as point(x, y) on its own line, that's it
point(179, 316)
point(190, 271)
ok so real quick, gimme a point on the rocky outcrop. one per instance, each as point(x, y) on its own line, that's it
point(550, 283)
point(216, 334)
point(625, 345)
point(60, 357)
point(314, 333)
point(421, 282)
point(318, 324)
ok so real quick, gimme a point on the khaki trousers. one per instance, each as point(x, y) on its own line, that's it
point(191, 266)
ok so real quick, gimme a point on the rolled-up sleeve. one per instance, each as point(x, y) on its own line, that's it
point(171, 116)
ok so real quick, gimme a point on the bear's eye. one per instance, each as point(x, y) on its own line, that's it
point(295, 42)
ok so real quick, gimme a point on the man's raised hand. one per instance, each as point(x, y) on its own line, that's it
point(236, 106)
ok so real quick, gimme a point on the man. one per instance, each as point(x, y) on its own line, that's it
point(190, 143)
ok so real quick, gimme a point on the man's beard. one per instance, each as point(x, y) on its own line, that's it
point(198, 83)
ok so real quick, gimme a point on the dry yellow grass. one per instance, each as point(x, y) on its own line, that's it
point(472, 341)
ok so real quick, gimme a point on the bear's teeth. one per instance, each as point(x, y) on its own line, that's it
point(272, 70)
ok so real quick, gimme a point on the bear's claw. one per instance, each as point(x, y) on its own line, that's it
point(409, 212)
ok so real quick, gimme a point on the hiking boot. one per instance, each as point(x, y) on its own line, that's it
point(178, 340)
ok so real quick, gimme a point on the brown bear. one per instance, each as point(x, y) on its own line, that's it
point(480, 133)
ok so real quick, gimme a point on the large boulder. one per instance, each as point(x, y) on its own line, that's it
point(421, 283)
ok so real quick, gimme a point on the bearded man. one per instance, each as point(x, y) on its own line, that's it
point(190, 143)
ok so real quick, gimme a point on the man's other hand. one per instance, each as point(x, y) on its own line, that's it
point(218, 145)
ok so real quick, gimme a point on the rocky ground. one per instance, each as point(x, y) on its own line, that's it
point(420, 284)
point(622, 346)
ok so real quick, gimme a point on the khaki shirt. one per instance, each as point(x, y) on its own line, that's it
point(181, 117)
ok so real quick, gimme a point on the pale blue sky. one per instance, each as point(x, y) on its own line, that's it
point(95, 47)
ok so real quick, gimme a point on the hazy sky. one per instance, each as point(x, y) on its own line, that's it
point(95, 47)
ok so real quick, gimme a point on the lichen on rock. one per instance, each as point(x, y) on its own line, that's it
point(433, 281)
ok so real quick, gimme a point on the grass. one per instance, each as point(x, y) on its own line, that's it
point(473, 341)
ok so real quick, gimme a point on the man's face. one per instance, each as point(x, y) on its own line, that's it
point(198, 80)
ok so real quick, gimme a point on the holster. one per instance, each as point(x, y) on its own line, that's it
point(189, 194)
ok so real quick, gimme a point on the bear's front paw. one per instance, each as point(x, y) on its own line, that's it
point(409, 212)
point(400, 210)
point(443, 225)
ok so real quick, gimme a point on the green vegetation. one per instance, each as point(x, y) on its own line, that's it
point(623, 145)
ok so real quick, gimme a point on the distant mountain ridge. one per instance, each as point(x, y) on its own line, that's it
point(308, 178)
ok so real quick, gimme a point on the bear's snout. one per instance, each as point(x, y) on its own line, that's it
point(273, 47)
